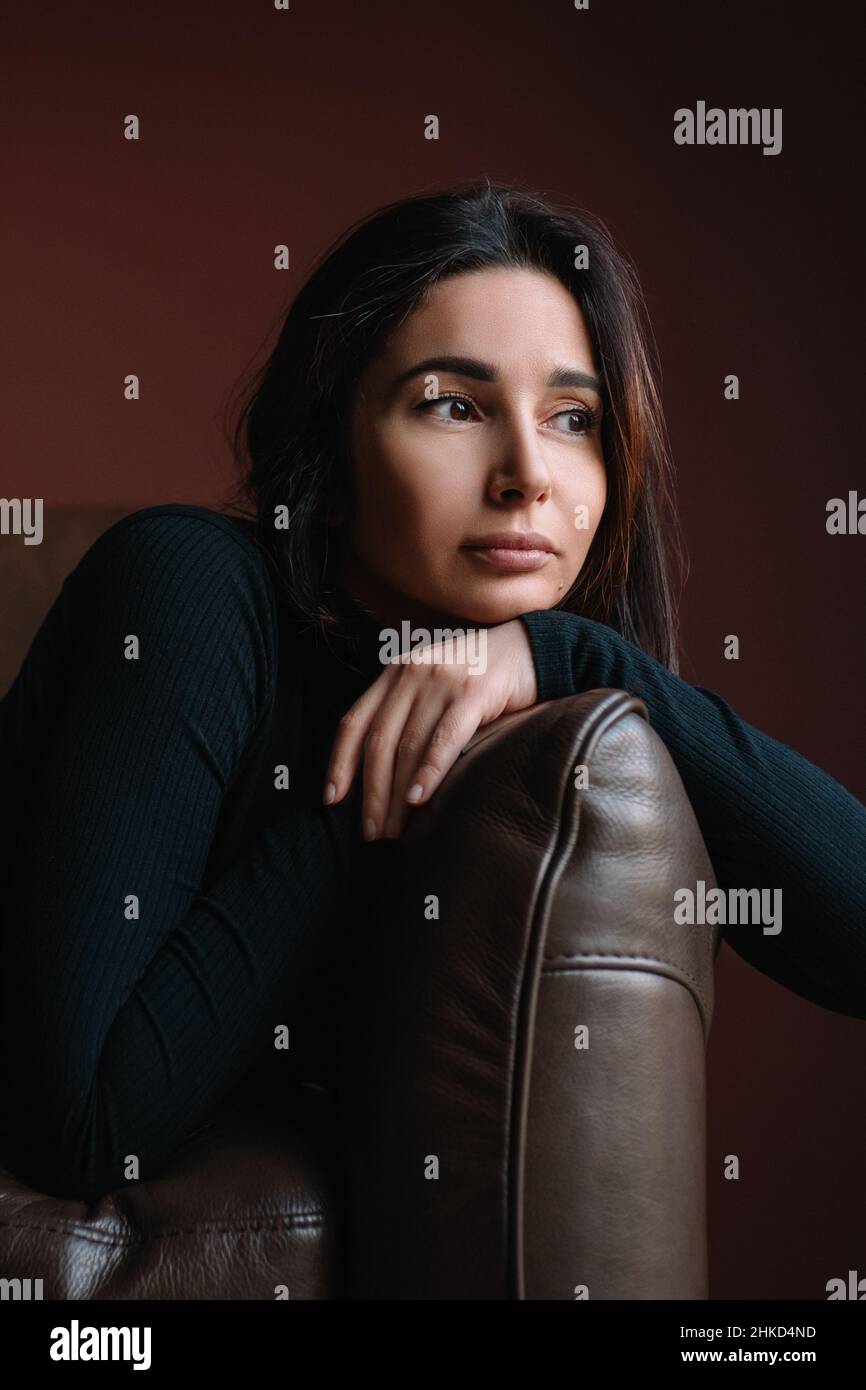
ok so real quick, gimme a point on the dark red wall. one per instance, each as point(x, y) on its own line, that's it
point(260, 127)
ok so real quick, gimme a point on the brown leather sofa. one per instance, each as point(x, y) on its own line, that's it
point(520, 1028)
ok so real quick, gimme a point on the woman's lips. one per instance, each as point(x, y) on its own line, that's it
point(510, 558)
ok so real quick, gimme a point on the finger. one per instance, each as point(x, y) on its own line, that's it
point(379, 752)
point(453, 731)
point(349, 739)
point(422, 719)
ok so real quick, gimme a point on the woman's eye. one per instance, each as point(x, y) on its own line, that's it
point(584, 417)
point(461, 402)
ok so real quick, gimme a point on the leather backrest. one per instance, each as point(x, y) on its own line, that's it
point(486, 1156)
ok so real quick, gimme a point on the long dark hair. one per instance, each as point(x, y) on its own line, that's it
point(291, 437)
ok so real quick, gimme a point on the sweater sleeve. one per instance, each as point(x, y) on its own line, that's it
point(135, 992)
point(770, 819)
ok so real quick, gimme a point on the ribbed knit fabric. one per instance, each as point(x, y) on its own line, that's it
point(769, 818)
point(164, 905)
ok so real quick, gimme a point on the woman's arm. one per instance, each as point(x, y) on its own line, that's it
point(770, 818)
point(133, 1000)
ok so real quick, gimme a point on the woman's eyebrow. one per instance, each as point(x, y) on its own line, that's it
point(484, 371)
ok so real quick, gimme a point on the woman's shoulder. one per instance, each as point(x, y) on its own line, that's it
point(180, 565)
point(180, 526)
point(179, 545)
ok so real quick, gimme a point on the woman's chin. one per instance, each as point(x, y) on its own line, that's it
point(490, 612)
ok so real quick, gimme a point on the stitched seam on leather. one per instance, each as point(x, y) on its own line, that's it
point(97, 1239)
point(628, 955)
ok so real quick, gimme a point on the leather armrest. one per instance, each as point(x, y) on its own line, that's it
point(523, 1071)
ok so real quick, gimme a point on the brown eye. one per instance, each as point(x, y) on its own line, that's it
point(454, 401)
point(585, 418)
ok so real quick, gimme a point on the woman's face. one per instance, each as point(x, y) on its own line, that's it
point(514, 447)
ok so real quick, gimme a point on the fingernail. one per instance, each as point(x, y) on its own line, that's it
point(330, 793)
point(370, 828)
point(416, 793)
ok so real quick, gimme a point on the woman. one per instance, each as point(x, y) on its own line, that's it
point(462, 364)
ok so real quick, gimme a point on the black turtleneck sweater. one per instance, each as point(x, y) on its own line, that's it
point(168, 902)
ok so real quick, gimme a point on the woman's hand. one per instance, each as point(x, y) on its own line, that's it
point(414, 720)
